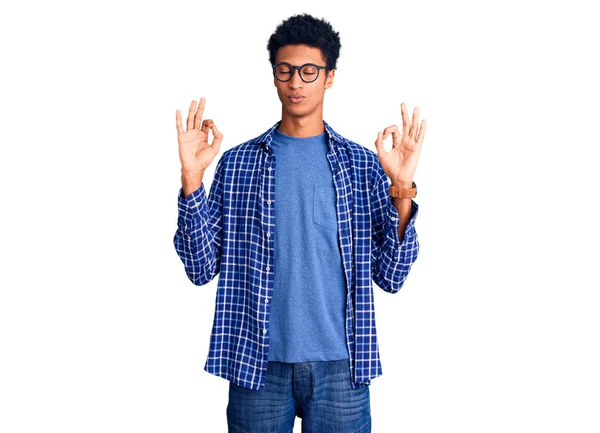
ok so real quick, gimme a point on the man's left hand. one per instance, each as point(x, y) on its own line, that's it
point(400, 163)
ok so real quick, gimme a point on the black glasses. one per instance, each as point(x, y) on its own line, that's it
point(309, 72)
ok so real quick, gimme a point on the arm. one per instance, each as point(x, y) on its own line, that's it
point(199, 226)
point(393, 249)
point(395, 245)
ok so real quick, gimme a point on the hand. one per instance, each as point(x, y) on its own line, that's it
point(194, 151)
point(400, 163)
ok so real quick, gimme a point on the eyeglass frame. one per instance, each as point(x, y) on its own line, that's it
point(298, 68)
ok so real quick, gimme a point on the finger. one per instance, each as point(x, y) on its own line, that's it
point(421, 132)
point(415, 123)
point(199, 113)
point(379, 145)
point(206, 125)
point(178, 122)
point(190, 118)
point(395, 131)
point(405, 124)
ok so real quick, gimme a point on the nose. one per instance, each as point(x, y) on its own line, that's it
point(296, 81)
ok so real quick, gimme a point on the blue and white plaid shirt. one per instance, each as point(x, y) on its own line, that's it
point(229, 233)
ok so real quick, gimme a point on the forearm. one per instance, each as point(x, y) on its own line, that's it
point(403, 206)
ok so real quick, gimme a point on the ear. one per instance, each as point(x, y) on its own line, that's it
point(329, 79)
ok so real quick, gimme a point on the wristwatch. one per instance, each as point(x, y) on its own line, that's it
point(396, 191)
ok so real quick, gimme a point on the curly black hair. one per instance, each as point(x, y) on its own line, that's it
point(308, 30)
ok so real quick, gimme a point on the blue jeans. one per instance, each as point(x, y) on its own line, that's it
point(318, 392)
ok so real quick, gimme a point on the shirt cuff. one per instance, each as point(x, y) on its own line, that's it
point(192, 209)
point(392, 224)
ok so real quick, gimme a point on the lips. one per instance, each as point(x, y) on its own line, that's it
point(296, 98)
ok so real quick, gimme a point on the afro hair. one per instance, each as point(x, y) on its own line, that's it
point(308, 30)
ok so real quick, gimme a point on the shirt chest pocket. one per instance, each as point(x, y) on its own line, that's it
point(324, 209)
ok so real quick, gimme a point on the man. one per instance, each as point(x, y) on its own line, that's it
point(298, 223)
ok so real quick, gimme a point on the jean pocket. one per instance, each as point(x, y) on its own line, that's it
point(324, 208)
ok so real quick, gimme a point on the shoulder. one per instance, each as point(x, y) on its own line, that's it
point(246, 151)
point(249, 150)
point(365, 159)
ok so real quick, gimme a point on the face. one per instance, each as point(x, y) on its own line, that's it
point(312, 93)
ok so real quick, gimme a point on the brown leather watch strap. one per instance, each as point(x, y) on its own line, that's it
point(396, 191)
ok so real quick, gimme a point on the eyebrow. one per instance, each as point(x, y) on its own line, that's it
point(305, 63)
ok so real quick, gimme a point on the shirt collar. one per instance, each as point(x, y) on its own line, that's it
point(333, 138)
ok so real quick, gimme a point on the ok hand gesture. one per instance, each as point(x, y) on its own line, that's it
point(400, 162)
point(194, 151)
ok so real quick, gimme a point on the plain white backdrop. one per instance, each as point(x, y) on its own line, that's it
point(497, 326)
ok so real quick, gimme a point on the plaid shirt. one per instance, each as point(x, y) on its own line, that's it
point(229, 233)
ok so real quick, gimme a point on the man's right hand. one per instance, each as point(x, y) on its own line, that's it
point(194, 151)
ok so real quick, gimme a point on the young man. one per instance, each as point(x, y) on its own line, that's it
point(298, 223)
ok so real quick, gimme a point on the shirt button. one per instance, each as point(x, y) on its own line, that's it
point(264, 331)
point(269, 168)
point(268, 268)
point(268, 234)
point(268, 201)
point(267, 300)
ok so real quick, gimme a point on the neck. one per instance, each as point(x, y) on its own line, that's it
point(302, 127)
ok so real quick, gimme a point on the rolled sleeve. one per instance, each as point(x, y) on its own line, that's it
point(391, 258)
point(192, 209)
point(392, 225)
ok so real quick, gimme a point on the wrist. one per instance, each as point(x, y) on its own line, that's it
point(192, 174)
point(191, 180)
point(193, 170)
point(402, 183)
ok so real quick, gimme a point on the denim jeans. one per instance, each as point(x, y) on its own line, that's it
point(318, 392)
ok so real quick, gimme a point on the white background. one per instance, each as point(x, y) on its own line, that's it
point(496, 328)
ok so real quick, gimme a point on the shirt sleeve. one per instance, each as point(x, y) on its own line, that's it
point(199, 227)
point(391, 259)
